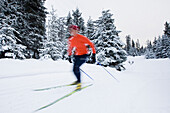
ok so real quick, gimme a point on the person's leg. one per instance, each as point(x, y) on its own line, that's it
point(79, 60)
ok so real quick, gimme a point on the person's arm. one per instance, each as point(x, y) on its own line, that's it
point(93, 49)
point(90, 44)
point(70, 47)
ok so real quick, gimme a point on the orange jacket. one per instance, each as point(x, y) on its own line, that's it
point(79, 42)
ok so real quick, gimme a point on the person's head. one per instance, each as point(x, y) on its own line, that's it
point(73, 29)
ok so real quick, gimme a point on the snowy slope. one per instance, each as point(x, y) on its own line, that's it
point(143, 87)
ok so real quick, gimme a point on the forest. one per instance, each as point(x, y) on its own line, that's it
point(27, 33)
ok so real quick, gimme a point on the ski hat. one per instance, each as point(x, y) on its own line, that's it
point(75, 27)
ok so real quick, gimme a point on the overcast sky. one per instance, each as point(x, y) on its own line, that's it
point(142, 19)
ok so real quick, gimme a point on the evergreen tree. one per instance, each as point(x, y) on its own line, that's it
point(133, 49)
point(149, 54)
point(90, 29)
point(166, 40)
point(167, 29)
point(133, 44)
point(8, 43)
point(28, 18)
point(79, 21)
point(138, 48)
point(54, 44)
point(33, 32)
point(158, 51)
point(69, 21)
point(161, 46)
point(142, 50)
point(9, 35)
point(149, 45)
point(165, 46)
point(12, 11)
point(154, 45)
point(62, 35)
point(128, 44)
point(107, 42)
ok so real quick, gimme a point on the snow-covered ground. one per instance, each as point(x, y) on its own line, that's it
point(144, 87)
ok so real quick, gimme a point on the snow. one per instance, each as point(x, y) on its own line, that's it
point(143, 87)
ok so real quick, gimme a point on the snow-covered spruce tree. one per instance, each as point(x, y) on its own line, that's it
point(138, 48)
point(154, 45)
point(9, 42)
point(54, 44)
point(90, 31)
point(158, 50)
point(28, 18)
point(142, 50)
point(167, 29)
point(107, 42)
point(149, 54)
point(12, 10)
point(133, 51)
point(128, 44)
point(62, 28)
point(132, 48)
point(79, 21)
point(33, 31)
point(166, 41)
point(69, 21)
point(165, 46)
point(161, 46)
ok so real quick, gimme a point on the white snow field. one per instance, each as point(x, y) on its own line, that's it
point(144, 87)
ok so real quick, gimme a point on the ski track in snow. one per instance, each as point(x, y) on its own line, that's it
point(143, 87)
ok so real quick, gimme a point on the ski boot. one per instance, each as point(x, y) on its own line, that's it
point(78, 86)
point(75, 83)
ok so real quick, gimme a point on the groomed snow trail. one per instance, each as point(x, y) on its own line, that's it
point(143, 87)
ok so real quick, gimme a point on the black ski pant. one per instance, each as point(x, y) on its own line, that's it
point(78, 61)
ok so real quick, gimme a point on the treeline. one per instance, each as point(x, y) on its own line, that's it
point(134, 48)
point(159, 48)
point(24, 34)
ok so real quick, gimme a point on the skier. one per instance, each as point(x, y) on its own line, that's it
point(79, 44)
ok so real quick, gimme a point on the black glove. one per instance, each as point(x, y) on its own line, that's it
point(69, 59)
point(93, 58)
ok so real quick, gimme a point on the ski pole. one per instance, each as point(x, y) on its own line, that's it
point(108, 72)
point(86, 74)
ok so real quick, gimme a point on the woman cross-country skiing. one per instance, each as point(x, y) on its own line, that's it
point(79, 44)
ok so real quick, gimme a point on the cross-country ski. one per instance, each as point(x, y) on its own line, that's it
point(54, 87)
point(65, 96)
